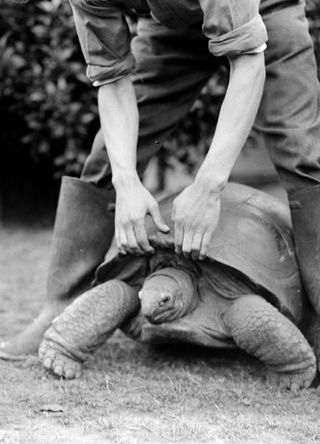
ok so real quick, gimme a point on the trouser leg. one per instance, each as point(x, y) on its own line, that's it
point(83, 231)
point(288, 121)
point(288, 124)
point(305, 213)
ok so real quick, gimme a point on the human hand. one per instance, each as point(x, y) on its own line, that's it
point(195, 215)
point(133, 203)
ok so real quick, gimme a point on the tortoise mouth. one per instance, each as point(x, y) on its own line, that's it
point(164, 316)
point(162, 308)
point(157, 319)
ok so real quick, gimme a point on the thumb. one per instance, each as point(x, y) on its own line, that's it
point(157, 219)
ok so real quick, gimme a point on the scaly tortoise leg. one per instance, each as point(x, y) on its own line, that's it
point(261, 330)
point(86, 324)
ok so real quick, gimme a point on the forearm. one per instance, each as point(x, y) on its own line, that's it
point(120, 122)
point(237, 115)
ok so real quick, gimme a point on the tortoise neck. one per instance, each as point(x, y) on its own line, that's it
point(183, 276)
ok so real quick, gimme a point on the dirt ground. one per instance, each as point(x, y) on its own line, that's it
point(130, 393)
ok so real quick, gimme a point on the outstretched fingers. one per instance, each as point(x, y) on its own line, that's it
point(195, 214)
point(157, 218)
point(192, 243)
point(132, 238)
point(205, 244)
point(130, 230)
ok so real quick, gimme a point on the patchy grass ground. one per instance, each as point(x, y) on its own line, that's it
point(131, 393)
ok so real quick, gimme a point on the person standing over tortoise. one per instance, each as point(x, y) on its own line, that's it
point(272, 99)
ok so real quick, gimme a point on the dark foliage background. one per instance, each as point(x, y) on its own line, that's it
point(48, 109)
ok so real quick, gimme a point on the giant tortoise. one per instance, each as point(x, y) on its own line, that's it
point(247, 294)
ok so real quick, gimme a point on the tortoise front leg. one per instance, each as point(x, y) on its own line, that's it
point(86, 324)
point(262, 331)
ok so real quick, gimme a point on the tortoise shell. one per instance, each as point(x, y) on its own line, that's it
point(253, 237)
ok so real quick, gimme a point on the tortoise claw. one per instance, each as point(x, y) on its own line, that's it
point(292, 382)
point(54, 360)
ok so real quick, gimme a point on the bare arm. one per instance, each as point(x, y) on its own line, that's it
point(120, 122)
point(196, 210)
point(237, 115)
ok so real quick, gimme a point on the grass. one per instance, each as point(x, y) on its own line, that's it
point(132, 393)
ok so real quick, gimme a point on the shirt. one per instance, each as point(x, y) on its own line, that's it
point(233, 27)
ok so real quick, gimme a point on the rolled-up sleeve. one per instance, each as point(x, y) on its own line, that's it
point(104, 38)
point(233, 27)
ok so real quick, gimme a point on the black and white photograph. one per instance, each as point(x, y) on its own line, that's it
point(159, 221)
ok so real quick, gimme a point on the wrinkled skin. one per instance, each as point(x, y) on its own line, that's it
point(169, 299)
point(166, 295)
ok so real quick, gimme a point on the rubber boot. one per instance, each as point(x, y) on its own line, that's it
point(83, 232)
point(305, 213)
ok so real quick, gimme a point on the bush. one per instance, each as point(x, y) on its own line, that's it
point(47, 107)
point(47, 104)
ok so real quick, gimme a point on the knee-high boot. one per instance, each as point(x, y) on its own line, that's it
point(82, 234)
point(305, 213)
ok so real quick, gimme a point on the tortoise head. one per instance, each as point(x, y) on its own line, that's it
point(167, 294)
